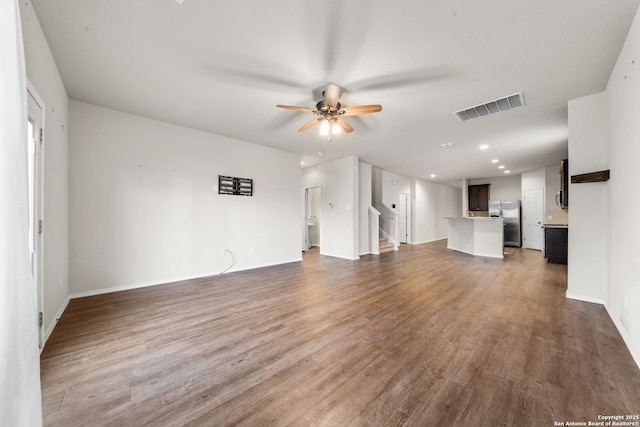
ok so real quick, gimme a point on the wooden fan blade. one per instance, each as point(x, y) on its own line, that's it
point(361, 109)
point(331, 95)
point(303, 109)
point(309, 125)
point(346, 127)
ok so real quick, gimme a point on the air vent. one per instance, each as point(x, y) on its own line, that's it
point(448, 145)
point(492, 107)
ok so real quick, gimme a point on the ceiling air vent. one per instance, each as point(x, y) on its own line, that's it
point(492, 107)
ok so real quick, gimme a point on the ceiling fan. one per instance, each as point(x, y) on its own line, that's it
point(329, 113)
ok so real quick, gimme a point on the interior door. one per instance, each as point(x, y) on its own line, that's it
point(402, 218)
point(532, 217)
point(313, 216)
point(35, 137)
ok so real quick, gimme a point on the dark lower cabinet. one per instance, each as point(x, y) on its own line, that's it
point(555, 244)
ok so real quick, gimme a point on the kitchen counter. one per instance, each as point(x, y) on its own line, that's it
point(479, 236)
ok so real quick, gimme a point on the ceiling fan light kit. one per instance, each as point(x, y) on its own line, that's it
point(330, 112)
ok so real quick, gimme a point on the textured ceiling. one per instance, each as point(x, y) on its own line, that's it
point(223, 66)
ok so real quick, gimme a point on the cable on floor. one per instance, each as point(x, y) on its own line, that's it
point(232, 262)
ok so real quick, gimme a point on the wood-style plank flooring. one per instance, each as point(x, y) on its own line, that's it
point(419, 337)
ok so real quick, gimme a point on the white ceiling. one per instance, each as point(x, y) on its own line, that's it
point(223, 66)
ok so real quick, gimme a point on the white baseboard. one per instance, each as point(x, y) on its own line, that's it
point(585, 298)
point(167, 280)
point(341, 257)
point(635, 352)
point(427, 241)
point(368, 253)
point(54, 322)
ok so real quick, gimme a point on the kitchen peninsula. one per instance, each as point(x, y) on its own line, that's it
point(477, 236)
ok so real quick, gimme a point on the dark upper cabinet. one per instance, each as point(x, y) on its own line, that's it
point(564, 184)
point(479, 197)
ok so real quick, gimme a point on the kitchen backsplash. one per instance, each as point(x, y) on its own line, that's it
point(557, 216)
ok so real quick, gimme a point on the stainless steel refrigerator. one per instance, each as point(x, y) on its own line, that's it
point(509, 210)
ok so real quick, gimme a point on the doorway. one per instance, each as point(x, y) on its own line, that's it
point(532, 213)
point(313, 215)
point(35, 139)
point(402, 218)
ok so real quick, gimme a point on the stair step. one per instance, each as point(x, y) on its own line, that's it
point(384, 245)
point(384, 249)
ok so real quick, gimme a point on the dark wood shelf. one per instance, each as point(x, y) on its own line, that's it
point(600, 176)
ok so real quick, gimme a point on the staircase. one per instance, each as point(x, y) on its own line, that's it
point(385, 245)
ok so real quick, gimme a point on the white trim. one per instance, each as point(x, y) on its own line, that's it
point(585, 299)
point(427, 241)
point(32, 90)
point(39, 187)
point(342, 257)
point(54, 322)
point(635, 352)
point(167, 281)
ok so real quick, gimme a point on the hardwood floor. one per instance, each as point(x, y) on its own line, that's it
point(423, 336)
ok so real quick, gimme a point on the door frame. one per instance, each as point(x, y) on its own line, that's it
point(307, 238)
point(36, 103)
point(404, 238)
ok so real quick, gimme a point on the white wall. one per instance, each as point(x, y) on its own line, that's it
point(432, 203)
point(145, 208)
point(392, 185)
point(502, 188)
point(20, 403)
point(588, 203)
point(552, 186)
point(623, 92)
point(464, 196)
point(44, 76)
point(365, 200)
point(339, 180)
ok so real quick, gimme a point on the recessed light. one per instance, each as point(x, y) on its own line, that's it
point(302, 163)
point(484, 147)
point(501, 167)
point(320, 153)
point(433, 175)
point(495, 161)
point(507, 171)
